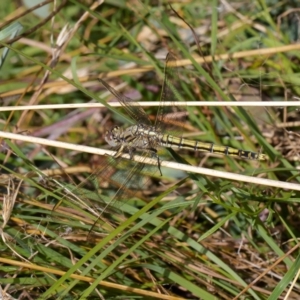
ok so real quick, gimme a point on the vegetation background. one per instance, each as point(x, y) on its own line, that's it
point(183, 236)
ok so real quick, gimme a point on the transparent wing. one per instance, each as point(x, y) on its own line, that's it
point(115, 182)
point(133, 109)
point(170, 117)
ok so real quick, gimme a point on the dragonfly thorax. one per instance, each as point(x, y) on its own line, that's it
point(139, 136)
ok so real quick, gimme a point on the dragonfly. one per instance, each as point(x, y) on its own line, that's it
point(144, 137)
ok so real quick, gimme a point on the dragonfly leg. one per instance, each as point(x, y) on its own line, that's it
point(119, 152)
point(158, 164)
point(154, 152)
point(131, 152)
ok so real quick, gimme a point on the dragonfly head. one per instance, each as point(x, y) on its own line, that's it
point(112, 137)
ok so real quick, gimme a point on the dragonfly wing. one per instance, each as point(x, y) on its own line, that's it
point(133, 109)
point(121, 179)
point(170, 117)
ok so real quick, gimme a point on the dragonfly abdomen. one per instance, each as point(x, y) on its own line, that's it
point(237, 152)
point(170, 141)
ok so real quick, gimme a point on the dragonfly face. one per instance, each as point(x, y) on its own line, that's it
point(112, 137)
